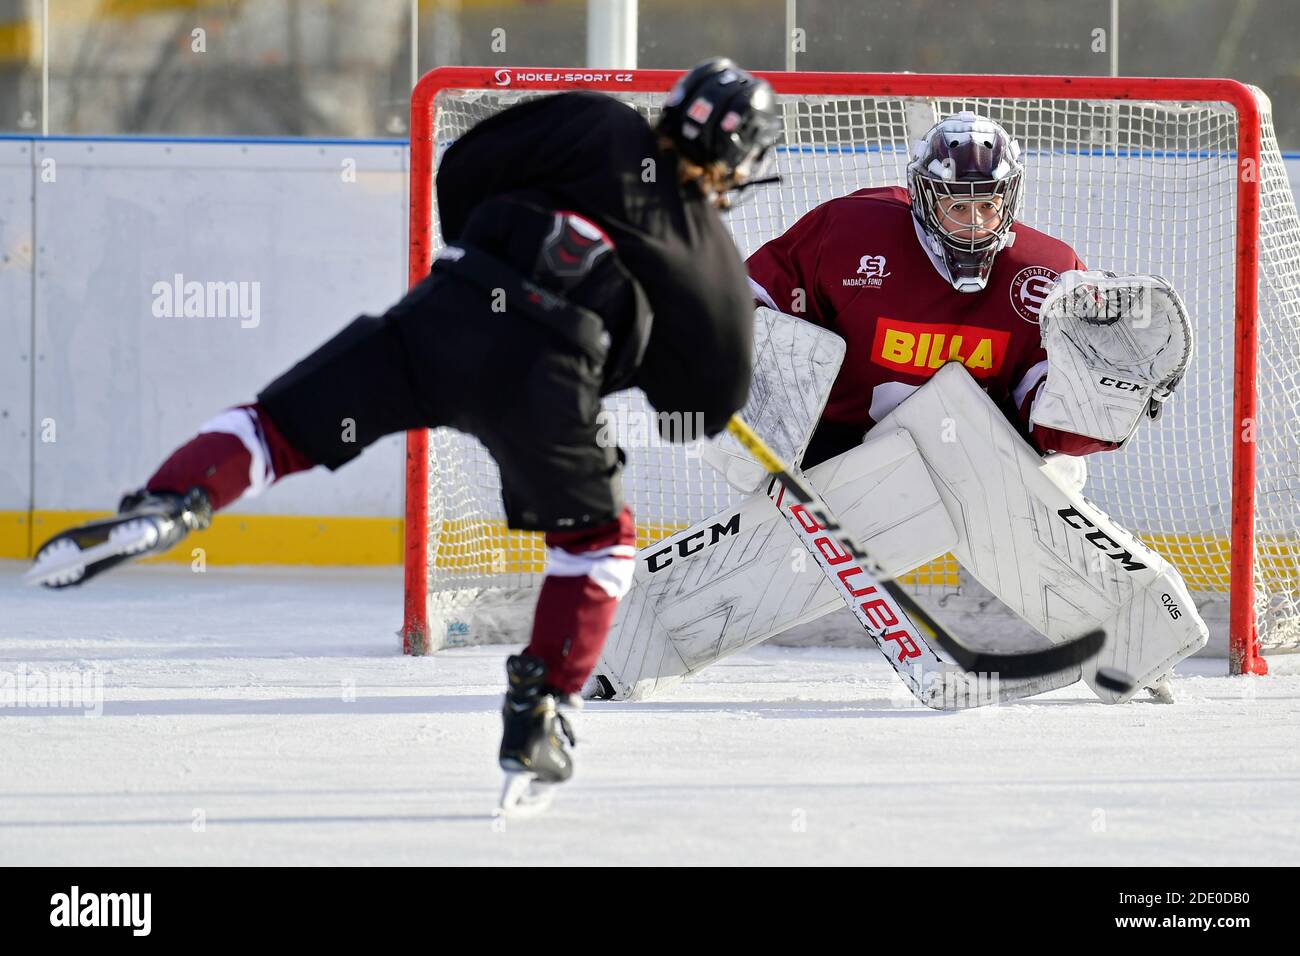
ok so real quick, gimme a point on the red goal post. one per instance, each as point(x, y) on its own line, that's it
point(440, 87)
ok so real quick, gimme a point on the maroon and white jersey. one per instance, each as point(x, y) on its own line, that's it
point(856, 266)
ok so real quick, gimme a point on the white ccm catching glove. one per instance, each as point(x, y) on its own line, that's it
point(1116, 348)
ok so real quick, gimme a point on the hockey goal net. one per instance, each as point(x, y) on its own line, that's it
point(1177, 177)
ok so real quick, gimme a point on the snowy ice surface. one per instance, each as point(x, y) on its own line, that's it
point(268, 717)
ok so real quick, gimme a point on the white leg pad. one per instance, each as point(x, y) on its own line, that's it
point(795, 365)
point(1042, 548)
point(734, 580)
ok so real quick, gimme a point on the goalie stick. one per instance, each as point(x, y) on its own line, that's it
point(905, 610)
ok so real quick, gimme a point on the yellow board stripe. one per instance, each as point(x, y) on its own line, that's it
point(477, 548)
point(238, 539)
point(942, 572)
point(15, 534)
point(483, 547)
point(91, 11)
point(489, 547)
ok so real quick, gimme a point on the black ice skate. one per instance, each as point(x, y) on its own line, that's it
point(146, 523)
point(533, 753)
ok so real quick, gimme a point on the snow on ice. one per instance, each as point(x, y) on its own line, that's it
point(268, 716)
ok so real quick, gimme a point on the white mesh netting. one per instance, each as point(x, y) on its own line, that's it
point(1133, 187)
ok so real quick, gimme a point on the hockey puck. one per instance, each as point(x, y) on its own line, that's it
point(1114, 679)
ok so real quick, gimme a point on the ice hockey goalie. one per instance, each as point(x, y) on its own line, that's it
point(959, 451)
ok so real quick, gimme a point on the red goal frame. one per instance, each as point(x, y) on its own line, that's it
point(1243, 644)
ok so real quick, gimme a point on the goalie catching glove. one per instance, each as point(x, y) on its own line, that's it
point(1117, 346)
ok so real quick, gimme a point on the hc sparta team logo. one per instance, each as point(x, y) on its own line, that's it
point(1028, 290)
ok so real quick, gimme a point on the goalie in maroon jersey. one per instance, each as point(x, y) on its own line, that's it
point(943, 272)
point(918, 277)
point(600, 237)
point(979, 361)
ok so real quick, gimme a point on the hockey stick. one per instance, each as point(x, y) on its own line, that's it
point(812, 515)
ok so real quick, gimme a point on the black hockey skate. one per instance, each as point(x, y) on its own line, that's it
point(147, 522)
point(533, 753)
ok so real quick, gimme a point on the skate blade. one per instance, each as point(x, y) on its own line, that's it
point(63, 562)
point(522, 796)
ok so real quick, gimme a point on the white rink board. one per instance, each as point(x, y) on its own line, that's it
point(124, 387)
point(15, 324)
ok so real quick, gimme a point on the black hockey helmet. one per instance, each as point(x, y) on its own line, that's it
point(719, 113)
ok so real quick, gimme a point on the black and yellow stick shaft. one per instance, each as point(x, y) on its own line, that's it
point(1030, 663)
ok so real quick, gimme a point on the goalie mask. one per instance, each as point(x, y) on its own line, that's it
point(965, 186)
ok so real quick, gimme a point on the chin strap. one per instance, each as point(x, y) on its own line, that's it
point(766, 180)
point(728, 199)
point(735, 192)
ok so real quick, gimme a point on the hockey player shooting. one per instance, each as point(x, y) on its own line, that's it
point(979, 362)
point(588, 221)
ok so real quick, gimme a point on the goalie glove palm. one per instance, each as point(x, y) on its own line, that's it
point(1117, 346)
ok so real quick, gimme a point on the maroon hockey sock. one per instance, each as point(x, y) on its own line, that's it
point(218, 462)
point(214, 461)
point(574, 610)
